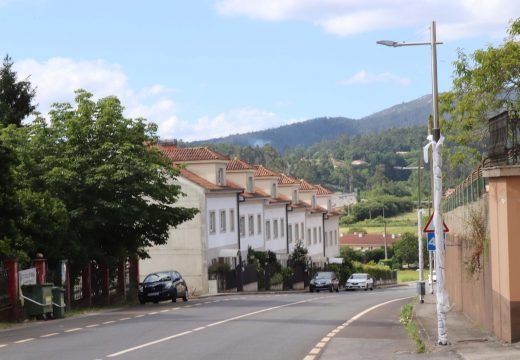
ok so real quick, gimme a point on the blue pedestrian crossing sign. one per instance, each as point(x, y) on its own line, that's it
point(431, 241)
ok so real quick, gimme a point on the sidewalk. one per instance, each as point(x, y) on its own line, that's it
point(466, 339)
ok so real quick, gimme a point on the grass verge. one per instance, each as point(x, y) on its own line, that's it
point(410, 275)
point(406, 320)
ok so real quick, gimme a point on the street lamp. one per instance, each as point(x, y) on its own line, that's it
point(435, 141)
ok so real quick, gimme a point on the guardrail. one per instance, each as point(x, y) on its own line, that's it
point(470, 190)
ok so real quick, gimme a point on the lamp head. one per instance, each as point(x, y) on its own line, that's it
point(387, 43)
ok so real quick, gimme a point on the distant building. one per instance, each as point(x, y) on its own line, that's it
point(364, 242)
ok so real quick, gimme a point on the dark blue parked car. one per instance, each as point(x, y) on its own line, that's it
point(163, 285)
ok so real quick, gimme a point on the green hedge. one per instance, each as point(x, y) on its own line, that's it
point(375, 271)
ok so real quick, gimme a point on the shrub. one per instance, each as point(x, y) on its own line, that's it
point(375, 271)
point(218, 268)
point(276, 279)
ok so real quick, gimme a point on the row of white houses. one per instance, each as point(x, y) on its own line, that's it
point(240, 206)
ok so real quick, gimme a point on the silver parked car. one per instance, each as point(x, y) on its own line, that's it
point(359, 281)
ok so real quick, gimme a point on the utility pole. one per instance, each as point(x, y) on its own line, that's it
point(384, 223)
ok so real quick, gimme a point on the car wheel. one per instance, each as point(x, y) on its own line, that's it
point(331, 289)
point(142, 301)
point(185, 297)
point(366, 288)
point(371, 287)
point(337, 289)
point(174, 296)
point(156, 301)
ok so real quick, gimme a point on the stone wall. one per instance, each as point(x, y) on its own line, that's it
point(469, 287)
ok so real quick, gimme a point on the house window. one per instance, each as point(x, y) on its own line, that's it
point(242, 226)
point(231, 220)
point(319, 234)
point(282, 227)
point(251, 224)
point(220, 176)
point(315, 235)
point(329, 204)
point(273, 190)
point(222, 220)
point(275, 229)
point(250, 187)
point(295, 196)
point(330, 238)
point(212, 222)
point(336, 237)
point(296, 232)
point(259, 223)
point(268, 229)
point(289, 233)
point(325, 238)
point(309, 236)
point(313, 201)
point(301, 231)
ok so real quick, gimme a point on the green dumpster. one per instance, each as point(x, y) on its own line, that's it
point(38, 300)
point(58, 302)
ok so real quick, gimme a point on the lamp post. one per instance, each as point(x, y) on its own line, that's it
point(435, 141)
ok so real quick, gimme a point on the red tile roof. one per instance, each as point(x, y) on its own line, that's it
point(272, 200)
point(177, 155)
point(286, 180)
point(322, 190)
point(264, 172)
point(245, 193)
point(237, 164)
point(304, 185)
point(203, 182)
point(367, 239)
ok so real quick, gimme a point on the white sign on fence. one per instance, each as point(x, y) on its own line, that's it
point(27, 277)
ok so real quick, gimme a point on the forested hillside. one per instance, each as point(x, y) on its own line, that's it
point(310, 132)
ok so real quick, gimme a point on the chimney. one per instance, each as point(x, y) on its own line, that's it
point(168, 142)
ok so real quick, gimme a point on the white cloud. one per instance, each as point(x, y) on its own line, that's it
point(455, 18)
point(57, 78)
point(234, 121)
point(363, 77)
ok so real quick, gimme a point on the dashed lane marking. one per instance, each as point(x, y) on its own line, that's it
point(91, 326)
point(208, 326)
point(49, 335)
point(72, 330)
point(316, 349)
point(23, 341)
point(3, 345)
point(109, 322)
point(124, 319)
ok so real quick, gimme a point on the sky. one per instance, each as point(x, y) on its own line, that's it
point(208, 68)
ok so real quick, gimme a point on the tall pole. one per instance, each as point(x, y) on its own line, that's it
point(419, 231)
point(384, 222)
point(437, 201)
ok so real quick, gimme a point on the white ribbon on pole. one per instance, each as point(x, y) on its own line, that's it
point(442, 299)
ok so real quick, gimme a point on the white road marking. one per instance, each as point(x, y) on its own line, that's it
point(207, 326)
point(320, 345)
point(138, 316)
point(109, 322)
point(3, 345)
point(188, 306)
point(23, 341)
point(91, 326)
point(72, 330)
point(124, 319)
point(153, 313)
point(48, 335)
point(350, 321)
point(163, 311)
point(199, 328)
point(149, 344)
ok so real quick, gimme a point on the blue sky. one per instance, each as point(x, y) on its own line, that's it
point(209, 68)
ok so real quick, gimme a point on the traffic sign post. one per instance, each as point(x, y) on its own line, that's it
point(431, 241)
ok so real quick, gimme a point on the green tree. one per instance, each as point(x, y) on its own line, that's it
point(15, 96)
point(485, 82)
point(97, 170)
point(406, 250)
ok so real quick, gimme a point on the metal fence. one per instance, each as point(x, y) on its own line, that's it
point(470, 190)
point(504, 133)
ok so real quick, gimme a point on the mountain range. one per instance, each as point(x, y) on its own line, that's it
point(312, 131)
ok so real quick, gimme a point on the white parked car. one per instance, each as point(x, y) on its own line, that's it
point(359, 281)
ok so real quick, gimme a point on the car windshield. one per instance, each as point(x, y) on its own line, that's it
point(323, 275)
point(164, 276)
point(358, 276)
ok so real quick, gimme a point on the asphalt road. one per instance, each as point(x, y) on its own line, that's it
point(259, 326)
